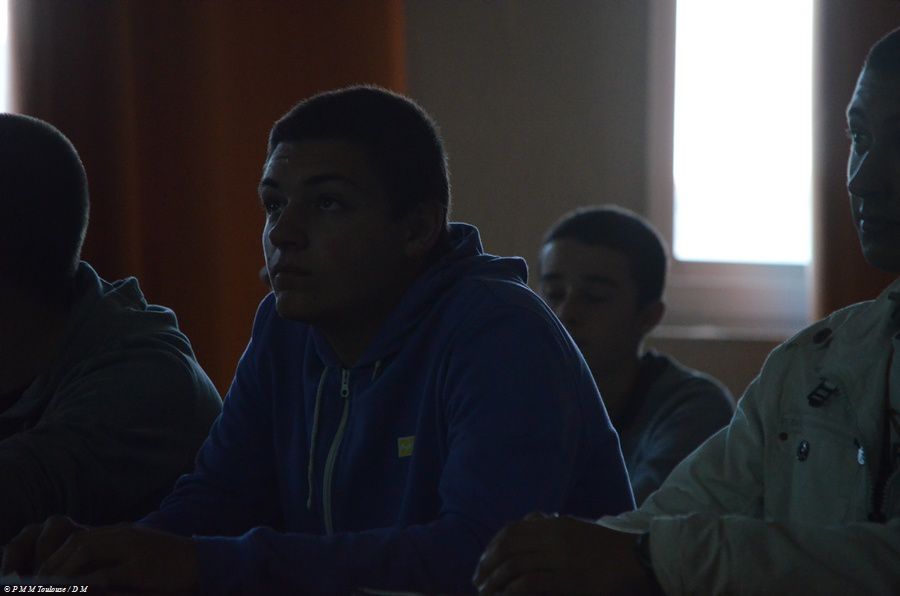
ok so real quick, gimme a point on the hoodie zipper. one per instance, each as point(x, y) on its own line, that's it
point(333, 452)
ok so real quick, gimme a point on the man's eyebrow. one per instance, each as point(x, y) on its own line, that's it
point(604, 280)
point(600, 279)
point(269, 182)
point(323, 178)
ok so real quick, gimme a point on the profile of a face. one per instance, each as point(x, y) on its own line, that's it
point(873, 168)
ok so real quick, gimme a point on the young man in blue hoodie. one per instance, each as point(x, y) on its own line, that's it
point(403, 394)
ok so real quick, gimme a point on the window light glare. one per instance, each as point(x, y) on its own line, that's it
point(743, 131)
point(4, 57)
point(4, 21)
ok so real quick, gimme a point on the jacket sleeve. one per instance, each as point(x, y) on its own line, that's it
point(233, 486)
point(733, 554)
point(702, 409)
point(511, 436)
point(708, 533)
point(110, 443)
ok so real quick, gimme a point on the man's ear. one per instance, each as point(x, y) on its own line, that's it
point(650, 316)
point(424, 224)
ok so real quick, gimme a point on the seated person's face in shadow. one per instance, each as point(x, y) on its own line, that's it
point(592, 291)
point(873, 168)
point(333, 247)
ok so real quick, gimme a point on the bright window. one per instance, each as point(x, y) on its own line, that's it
point(743, 131)
point(5, 96)
point(729, 162)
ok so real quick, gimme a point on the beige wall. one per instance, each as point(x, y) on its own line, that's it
point(734, 361)
point(542, 105)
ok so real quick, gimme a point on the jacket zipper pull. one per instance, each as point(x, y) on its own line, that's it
point(345, 383)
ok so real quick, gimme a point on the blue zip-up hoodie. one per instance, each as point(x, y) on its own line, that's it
point(470, 408)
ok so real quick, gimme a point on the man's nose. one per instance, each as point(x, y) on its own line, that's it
point(290, 228)
point(866, 175)
point(568, 312)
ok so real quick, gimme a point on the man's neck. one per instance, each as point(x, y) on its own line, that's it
point(350, 334)
point(349, 343)
point(30, 335)
point(617, 386)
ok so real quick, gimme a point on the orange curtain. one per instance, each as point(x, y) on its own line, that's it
point(844, 32)
point(169, 104)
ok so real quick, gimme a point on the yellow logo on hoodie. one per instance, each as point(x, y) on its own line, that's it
point(405, 446)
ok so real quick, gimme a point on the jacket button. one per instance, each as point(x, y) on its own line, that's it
point(803, 450)
point(821, 335)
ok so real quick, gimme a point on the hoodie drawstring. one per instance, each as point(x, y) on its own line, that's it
point(312, 441)
point(375, 369)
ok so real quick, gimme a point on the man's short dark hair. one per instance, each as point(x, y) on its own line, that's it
point(624, 231)
point(43, 206)
point(400, 138)
point(884, 56)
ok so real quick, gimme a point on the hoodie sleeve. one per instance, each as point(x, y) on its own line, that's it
point(512, 428)
point(233, 485)
point(111, 443)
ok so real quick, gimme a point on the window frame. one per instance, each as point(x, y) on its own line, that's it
point(706, 299)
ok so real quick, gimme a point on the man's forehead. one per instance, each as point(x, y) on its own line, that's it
point(313, 158)
point(290, 152)
point(572, 258)
point(875, 91)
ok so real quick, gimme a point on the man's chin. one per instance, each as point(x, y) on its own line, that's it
point(295, 308)
point(886, 258)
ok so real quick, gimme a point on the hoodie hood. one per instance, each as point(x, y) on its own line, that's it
point(105, 317)
point(109, 312)
point(465, 258)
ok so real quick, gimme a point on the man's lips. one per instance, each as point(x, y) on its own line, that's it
point(874, 225)
point(286, 278)
point(289, 270)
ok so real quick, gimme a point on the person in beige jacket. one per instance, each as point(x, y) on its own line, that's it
point(801, 492)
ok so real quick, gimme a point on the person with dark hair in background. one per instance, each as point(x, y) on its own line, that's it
point(801, 492)
point(102, 403)
point(403, 394)
point(603, 270)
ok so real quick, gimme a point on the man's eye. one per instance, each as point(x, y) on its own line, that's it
point(328, 203)
point(858, 139)
point(271, 206)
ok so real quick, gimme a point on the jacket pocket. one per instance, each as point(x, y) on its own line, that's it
point(814, 472)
